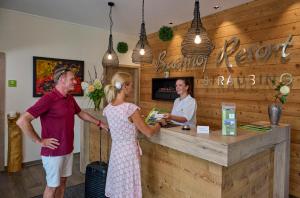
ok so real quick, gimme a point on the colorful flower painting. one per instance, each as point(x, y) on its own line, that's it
point(43, 69)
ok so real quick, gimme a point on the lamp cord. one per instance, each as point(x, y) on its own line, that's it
point(142, 35)
point(143, 13)
point(110, 18)
point(198, 17)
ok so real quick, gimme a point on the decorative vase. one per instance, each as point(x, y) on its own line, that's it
point(97, 103)
point(274, 111)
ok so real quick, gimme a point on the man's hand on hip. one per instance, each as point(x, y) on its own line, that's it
point(51, 143)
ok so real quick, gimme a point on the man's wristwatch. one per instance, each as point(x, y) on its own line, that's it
point(161, 125)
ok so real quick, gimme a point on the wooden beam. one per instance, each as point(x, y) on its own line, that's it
point(281, 167)
point(2, 109)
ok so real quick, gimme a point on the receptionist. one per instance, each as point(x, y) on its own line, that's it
point(184, 107)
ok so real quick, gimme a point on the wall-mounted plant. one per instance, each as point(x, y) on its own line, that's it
point(122, 47)
point(165, 33)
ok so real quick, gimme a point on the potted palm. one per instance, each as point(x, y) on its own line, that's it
point(275, 109)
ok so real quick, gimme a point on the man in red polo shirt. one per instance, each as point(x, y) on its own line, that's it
point(56, 111)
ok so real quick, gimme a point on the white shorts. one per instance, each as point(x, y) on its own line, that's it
point(57, 167)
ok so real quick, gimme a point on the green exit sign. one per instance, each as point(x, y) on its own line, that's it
point(12, 83)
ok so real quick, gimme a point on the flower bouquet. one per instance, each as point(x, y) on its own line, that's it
point(275, 109)
point(282, 91)
point(94, 90)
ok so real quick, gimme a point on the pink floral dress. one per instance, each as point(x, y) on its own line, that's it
point(123, 176)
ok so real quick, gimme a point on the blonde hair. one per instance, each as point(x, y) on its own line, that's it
point(117, 82)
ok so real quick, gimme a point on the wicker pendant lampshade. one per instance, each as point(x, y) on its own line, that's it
point(110, 57)
point(196, 41)
point(142, 52)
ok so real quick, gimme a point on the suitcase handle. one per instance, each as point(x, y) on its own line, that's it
point(107, 154)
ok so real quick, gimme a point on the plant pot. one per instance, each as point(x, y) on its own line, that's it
point(274, 111)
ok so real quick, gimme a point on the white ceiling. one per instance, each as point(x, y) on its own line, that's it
point(126, 13)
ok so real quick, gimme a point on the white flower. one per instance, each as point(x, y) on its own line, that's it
point(284, 90)
point(84, 85)
point(86, 92)
point(97, 84)
point(118, 85)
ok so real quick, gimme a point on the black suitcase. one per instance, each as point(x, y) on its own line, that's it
point(95, 178)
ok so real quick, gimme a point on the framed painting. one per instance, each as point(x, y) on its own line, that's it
point(43, 69)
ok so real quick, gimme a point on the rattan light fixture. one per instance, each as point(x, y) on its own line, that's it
point(142, 52)
point(110, 58)
point(196, 41)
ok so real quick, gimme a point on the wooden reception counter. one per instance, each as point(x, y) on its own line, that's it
point(177, 163)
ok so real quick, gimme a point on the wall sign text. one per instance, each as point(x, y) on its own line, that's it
point(245, 80)
point(253, 53)
point(180, 63)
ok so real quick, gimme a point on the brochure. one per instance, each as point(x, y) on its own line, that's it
point(154, 115)
point(228, 119)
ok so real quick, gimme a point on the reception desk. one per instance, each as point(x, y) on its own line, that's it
point(177, 163)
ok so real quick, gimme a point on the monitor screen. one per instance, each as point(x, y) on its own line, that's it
point(165, 88)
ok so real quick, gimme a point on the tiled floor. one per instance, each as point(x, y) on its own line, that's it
point(30, 181)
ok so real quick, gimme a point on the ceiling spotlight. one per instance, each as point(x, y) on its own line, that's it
point(216, 7)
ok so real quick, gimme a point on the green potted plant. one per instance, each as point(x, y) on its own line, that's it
point(165, 33)
point(122, 47)
point(282, 91)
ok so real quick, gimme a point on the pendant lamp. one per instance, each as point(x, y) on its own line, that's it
point(196, 41)
point(110, 58)
point(142, 52)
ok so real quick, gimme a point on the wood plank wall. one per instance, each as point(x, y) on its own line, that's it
point(134, 71)
point(255, 23)
point(2, 109)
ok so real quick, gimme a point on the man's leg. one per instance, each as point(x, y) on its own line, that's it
point(59, 193)
point(66, 171)
point(52, 167)
point(49, 192)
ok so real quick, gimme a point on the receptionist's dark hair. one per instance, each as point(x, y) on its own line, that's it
point(187, 82)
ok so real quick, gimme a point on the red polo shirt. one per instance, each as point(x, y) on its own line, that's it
point(56, 113)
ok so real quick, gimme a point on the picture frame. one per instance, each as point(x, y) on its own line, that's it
point(43, 69)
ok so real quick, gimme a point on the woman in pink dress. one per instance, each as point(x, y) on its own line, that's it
point(124, 119)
